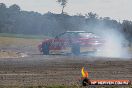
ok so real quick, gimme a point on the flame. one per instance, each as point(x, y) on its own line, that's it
point(84, 73)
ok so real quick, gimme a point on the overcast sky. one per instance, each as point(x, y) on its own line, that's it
point(116, 9)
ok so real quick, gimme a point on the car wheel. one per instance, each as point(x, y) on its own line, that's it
point(45, 49)
point(75, 49)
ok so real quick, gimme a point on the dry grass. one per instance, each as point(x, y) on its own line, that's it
point(6, 41)
point(9, 54)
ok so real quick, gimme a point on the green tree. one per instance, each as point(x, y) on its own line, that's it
point(63, 4)
point(14, 7)
point(2, 6)
point(3, 16)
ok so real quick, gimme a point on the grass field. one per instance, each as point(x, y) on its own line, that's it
point(20, 39)
point(6, 41)
point(23, 36)
point(18, 43)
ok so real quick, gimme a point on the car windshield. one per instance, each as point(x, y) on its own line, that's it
point(87, 35)
point(78, 35)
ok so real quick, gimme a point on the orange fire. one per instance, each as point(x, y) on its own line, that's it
point(84, 73)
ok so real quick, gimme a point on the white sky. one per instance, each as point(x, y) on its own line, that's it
point(116, 9)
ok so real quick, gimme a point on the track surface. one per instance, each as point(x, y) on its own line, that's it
point(61, 70)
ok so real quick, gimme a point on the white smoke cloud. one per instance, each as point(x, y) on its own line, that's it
point(113, 46)
point(114, 42)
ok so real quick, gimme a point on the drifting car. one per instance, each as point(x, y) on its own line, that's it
point(71, 42)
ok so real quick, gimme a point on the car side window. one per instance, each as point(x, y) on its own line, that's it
point(65, 36)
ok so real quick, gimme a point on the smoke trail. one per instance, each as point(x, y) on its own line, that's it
point(114, 41)
point(113, 46)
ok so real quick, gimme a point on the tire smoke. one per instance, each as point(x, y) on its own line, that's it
point(114, 44)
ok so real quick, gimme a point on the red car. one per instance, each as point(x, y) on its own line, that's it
point(75, 42)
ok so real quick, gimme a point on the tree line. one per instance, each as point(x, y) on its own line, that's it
point(15, 20)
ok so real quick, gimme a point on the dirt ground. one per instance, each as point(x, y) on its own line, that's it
point(37, 69)
point(61, 70)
